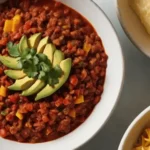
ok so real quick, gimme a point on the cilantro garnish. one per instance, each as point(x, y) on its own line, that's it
point(36, 65)
point(13, 49)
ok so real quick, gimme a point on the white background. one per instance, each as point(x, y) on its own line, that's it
point(135, 95)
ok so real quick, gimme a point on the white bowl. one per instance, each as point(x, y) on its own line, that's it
point(133, 26)
point(112, 87)
point(133, 132)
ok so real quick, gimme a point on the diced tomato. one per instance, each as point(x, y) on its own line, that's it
point(74, 80)
point(3, 41)
point(66, 102)
point(3, 133)
point(14, 98)
point(27, 25)
point(59, 102)
point(1, 71)
point(69, 45)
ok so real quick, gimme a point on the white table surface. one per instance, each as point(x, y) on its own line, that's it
point(135, 94)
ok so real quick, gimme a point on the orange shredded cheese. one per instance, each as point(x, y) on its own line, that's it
point(144, 141)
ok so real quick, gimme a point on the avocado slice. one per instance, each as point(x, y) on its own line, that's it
point(36, 87)
point(22, 84)
point(23, 44)
point(42, 44)
point(10, 62)
point(49, 51)
point(34, 40)
point(49, 90)
point(15, 74)
point(39, 84)
point(58, 57)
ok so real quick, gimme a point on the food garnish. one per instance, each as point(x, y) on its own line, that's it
point(46, 67)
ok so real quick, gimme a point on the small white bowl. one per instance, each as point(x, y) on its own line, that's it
point(133, 26)
point(133, 132)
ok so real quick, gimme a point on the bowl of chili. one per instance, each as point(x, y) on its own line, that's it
point(60, 74)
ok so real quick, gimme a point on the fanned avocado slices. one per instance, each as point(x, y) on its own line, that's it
point(34, 40)
point(10, 62)
point(54, 68)
point(22, 84)
point(42, 44)
point(23, 44)
point(49, 51)
point(38, 85)
point(15, 74)
point(65, 65)
point(49, 90)
point(58, 57)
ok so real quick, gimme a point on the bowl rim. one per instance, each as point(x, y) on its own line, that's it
point(125, 30)
point(131, 126)
point(121, 83)
point(123, 74)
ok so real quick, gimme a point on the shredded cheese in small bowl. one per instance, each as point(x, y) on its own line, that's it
point(143, 142)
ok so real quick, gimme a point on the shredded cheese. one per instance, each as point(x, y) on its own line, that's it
point(144, 141)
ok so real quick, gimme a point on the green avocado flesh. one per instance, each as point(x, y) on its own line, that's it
point(10, 62)
point(34, 40)
point(49, 51)
point(23, 44)
point(15, 74)
point(58, 57)
point(22, 84)
point(42, 44)
point(39, 84)
point(36, 87)
point(35, 84)
point(49, 90)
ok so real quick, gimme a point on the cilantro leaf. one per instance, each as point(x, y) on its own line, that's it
point(13, 50)
point(42, 57)
point(28, 64)
point(35, 60)
point(44, 67)
point(31, 74)
point(36, 65)
point(31, 70)
point(28, 56)
point(58, 71)
point(24, 53)
point(41, 75)
point(32, 51)
point(53, 81)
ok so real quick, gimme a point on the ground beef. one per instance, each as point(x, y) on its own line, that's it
point(49, 118)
